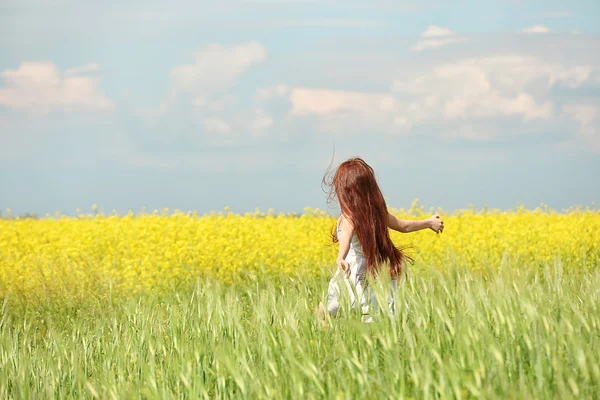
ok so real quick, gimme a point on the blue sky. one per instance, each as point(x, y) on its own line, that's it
point(195, 106)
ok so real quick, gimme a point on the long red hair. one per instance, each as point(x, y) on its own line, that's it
point(361, 201)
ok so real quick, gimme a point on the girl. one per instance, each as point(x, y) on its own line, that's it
point(362, 233)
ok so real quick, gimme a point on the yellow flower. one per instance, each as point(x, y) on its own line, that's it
point(66, 257)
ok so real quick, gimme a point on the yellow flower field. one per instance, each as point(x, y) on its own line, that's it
point(63, 256)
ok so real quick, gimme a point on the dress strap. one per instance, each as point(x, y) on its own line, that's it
point(337, 225)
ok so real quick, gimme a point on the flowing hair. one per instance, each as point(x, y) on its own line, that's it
point(354, 185)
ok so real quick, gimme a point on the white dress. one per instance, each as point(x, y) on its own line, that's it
point(356, 285)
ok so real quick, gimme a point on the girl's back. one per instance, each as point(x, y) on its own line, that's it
point(354, 281)
point(356, 257)
point(362, 232)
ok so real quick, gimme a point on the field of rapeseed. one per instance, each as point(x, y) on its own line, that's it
point(503, 304)
point(65, 257)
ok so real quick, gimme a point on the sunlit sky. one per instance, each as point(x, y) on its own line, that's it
point(195, 106)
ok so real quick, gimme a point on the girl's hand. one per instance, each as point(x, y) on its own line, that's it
point(436, 224)
point(344, 266)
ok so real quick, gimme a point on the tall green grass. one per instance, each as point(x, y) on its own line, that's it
point(506, 334)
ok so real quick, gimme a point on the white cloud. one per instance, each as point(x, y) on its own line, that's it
point(585, 114)
point(323, 101)
point(203, 84)
point(216, 66)
point(477, 88)
point(536, 29)
point(280, 106)
point(199, 101)
point(572, 77)
point(472, 98)
point(264, 94)
point(216, 125)
point(588, 117)
point(261, 124)
point(203, 104)
point(436, 36)
point(82, 70)
point(270, 103)
point(434, 43)
point(40, 88)
point(342, 111)
point(477, 91)
point(466, 99)
point(436, 31)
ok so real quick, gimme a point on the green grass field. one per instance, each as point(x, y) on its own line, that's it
point(503, 334)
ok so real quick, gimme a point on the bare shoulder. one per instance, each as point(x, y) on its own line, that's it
point(344, 222)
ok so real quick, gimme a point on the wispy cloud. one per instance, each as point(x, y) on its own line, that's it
point(436, 31)
point(324, 101)
point(262, 122)
point(436, 36)
point(588, 117)
point(536, 29)
point(215, 67)
point(86, 69)
point(216, 125)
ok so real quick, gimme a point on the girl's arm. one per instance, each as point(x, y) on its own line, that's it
point(405, 226)
point(344, 240)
